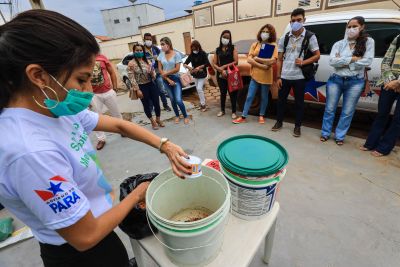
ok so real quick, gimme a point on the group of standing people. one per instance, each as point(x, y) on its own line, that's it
point(296, 56)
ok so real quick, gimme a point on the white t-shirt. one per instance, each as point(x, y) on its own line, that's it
point(49, 173)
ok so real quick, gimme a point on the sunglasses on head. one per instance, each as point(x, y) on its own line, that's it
point(298, 20)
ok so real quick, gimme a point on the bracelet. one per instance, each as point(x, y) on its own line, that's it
point(162, 142)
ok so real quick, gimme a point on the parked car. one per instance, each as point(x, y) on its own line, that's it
point(122, 67)
point(382, 25)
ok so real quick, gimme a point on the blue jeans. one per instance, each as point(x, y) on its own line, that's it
point(160, 85)
point(253, 87)
point(378, 139)
point(175, 95)
point(351, 89)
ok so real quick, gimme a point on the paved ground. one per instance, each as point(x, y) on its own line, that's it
point(339, 206)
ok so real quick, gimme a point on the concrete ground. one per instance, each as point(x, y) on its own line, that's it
point(339, 206)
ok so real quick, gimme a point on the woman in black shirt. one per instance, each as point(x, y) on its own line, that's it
point(199, 61)
point(225, 56)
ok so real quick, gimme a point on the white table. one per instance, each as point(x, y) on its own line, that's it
point(241, 242)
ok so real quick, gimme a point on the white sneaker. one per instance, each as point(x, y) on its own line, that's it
point(220, 114)
point(234, 117)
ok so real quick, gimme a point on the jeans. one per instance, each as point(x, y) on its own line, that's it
point(175, 95)
point(150, 96)
point(200, 90)
point(378, 139)
point(298, 88)
point(223, 87)
point(108, 99)
point(253, 87)
point(351, 89)
point(163, 94)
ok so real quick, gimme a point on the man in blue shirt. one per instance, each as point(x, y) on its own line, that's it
point(152, 53)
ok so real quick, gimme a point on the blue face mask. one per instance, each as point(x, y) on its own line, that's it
point(139, 54)
point(296, 26)
point(75, 102)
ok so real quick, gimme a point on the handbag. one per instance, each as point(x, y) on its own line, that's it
point(186, 79)
point(235, 81)
point(367, 87)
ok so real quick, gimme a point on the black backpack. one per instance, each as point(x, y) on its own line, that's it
point(310, 69)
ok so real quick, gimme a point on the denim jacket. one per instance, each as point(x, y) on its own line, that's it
point(340, 59)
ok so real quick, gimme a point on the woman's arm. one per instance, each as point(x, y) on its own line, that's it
point(369, 55)
point(335, 59)
point(89, 231)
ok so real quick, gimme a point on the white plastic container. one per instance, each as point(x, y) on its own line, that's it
point(189, 243)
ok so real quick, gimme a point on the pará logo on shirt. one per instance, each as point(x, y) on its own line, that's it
point(58, 198)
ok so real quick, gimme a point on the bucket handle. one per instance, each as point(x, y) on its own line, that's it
point(181, 249)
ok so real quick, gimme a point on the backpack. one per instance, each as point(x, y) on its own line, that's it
point(97, 75)
point(310, 69)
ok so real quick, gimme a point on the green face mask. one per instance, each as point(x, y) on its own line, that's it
point(75, 102)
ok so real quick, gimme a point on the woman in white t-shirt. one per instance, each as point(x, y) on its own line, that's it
point(49, 176)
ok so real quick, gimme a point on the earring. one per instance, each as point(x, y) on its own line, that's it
point(54, 92)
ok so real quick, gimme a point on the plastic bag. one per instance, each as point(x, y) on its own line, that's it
point(135, 224)
point(6, 228)
point(235, 81)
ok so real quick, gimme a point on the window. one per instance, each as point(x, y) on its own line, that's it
point(332, 3)
point(251, 9)
point(329, 34)
point(202, 17)
point(223, 13)
point(116, 21)
point(284, 7)
point(128, 19)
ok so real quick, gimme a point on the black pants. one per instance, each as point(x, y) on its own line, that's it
point(298, 89)
point(151, 94)
point(223, 87)
point(109, 252)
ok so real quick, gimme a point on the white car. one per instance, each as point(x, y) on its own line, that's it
point(123, 65)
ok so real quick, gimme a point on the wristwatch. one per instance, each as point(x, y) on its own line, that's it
point(162, 142)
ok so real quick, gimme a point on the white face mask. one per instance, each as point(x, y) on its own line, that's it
point(224, 41)
point(195, 52)
point(148, 43)
point(264, 36)
point(352, 33)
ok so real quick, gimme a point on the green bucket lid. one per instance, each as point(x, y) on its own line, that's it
point(252, 155)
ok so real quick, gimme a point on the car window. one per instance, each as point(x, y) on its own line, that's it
point(126, 59)
point(329, 34)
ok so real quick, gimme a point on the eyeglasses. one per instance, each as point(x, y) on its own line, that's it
point(298, 20)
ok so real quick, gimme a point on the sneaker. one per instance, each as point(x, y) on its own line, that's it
point(203, 108)
point(261, 120)
point(220, 114)
point(234, 116)
point(297, 131)
point(239, 120)
point(277, 126)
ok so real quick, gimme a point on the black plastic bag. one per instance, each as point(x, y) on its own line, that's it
point(135, 223)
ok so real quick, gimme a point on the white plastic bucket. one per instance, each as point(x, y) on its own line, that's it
point(251, 199)
point(189, 243)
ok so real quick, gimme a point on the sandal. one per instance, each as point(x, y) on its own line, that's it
point(261, 120)
point(186, 121)
point(100, 145)
point(363, 148)
point(177, 119)
point(154, 124)
point(339, 142)
point(160, 123)
point(323, 139)
point(377, 154)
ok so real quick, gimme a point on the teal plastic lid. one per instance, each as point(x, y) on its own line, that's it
point(252, 155)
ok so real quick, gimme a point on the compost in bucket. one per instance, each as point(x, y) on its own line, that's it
point(191, 214)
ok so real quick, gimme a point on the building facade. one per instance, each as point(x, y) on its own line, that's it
point(125, 21)
point(245, 17)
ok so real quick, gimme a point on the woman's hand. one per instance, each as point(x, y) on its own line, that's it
point(139, 94)
point(392, 85)
point(175, 155)
point(170, 82)
point(140, 191)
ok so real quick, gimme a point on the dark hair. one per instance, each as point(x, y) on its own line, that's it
point(230, 45)
point(144, 55)
point(56, 43)
point(361, 41)
point(167, 41)
point(272, 33)
point(147, 34)
point(298, 11)
point(196, 44)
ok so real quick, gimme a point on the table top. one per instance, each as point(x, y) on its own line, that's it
point(240, 236)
